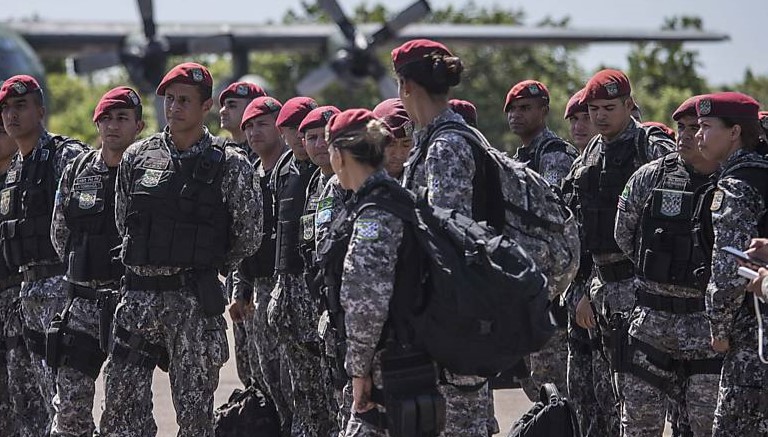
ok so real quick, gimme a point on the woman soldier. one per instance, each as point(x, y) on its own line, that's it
point(728, 134)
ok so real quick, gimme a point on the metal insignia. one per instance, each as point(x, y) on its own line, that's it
point(671, 203)
point(271, 105)
point(134, 97)
point(533, 89)
point(19, 87)
point(717, 200)
point(312, 105)
point(5, 202)
point(86, 199)
point(241, 90)
point(705, 106)
point(151, 178)
point(612, 88)
point(327, 115)
point(197, 75)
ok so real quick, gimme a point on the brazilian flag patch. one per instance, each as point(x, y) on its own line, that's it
point(367, 229)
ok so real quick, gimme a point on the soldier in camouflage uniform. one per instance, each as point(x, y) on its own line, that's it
point(728, 134)
point(84, 235)
point(26, 206)
point(668, 353)
point(393, 113)
point(598, 177)
point(527, 108)
point(446, 173)
point(232, 101)
point(254, 279)
point(188, 207)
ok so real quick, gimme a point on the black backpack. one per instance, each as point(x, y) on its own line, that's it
point(482, 303)
point(552, 416)
point(247, 413)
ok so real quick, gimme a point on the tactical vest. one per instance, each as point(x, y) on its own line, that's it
point(290, 194)
point(176, 214)
point(262, 263)
point(307, 231)
point(90, 217)
point(598, 185)
point(532, 158)
point(26, 206)
point(6, 271)
point(667, 253)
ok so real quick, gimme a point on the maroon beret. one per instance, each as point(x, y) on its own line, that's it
point(241, 90)
point(346, 122)
point(121, 97)
point(189, 73)
point(318, 117)
point(17, 86)
point(607, 84)
point(259, 106)
point(727, 104)
point(417, 50)
point(667, 130)
point(526, 89)
point(688, 107)
point(294, 110)
point(393, 113)
point(574, 105)
point(466, 109)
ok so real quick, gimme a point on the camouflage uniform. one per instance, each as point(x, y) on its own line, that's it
point(681, 336)
point(173, 322)
point(737, 207)
point(42, 298)
point(447, 174)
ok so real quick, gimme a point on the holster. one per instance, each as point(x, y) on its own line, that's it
point(618, 341)
point(414, 406)
point(107, 305)
point(53, 342)
point(209, 295)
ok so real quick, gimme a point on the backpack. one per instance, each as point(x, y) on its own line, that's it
point(481, 302)
point(247, 412)
point(522, 205)
point(552, 416)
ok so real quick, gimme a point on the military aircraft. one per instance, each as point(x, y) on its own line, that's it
point(144, 50)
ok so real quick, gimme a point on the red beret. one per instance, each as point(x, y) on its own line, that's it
point(607, 84)
point(347, 121)
point(466, 109)
point(121, 97)
point(189, 73)
point(392, 112)
point(727, 104)
point(17, 86)
point(416, 50)
point(259, 106)
point(574, 105)
point(294, 110)
point(241, 90)
point(318, 117)
point(667, 130)
point(526, 89)
point(688, 107)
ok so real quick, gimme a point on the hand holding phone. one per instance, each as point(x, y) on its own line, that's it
point(744, 258)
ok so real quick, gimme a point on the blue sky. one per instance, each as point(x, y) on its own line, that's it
point(722, 62)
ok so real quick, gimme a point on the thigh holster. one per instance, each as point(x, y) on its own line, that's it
point(138, 350)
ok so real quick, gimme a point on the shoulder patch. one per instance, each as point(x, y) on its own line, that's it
point(717, 200)
point(368, 229)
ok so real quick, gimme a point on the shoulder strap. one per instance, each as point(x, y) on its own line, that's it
point(79, 163)
point(641, 144)
point(557, 144)
point(548, 393)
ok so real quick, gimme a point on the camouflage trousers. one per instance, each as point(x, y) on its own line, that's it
point(581, 391)
point(466, 410)
point(242, 352)
point(22, 407)
point(75, 390)
point(644, 405)
point(742, 401)
point(550, 364)
point(197, 348)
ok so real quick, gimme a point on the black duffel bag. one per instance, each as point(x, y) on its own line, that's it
point(247, 413)
point(552, 416)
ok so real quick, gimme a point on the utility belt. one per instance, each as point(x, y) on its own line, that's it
point(42, 271)
point(617, 271)
point(668, 304)
point(106, 299)
point(414, 407)
point(205, 284)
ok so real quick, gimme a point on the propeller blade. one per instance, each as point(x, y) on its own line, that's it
point(160, 112)
point(210, 44)
point(387, 87)
point(332, 8)
point(411, 14)
point(147, 17)
point(316, 80)
point(86, 64)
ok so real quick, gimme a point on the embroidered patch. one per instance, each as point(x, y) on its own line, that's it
point(612, 88)
point(367, 229)
point(197, 75)
point(5, 202)
point(325, 203)
point(308, 227)
point(705, 106)
point(241, 90)
point(717, 200)
point(87, 183)
point(19, 87)
point(134, 98)
point(671, 203)
point(11, 176)
point(533, 89)
point(151, 178)
point(312, 203)
point(323, 216)
point(86, 199)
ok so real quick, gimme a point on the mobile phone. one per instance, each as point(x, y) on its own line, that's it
point(746, 272)
point(744, 257)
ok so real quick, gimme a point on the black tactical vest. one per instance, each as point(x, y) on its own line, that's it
point(6, 271)
point(262, 263)
point(26, 206)
point(598, 185)
point(90, 217)
point(307, 230)
point(667, 253)
point(532, 158)
point(290, 187)
point(176, 214)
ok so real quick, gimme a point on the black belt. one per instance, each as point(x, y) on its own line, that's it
point(674, 305)
point(43, 271)
point(90, 293)
point(615, 272)
point(11, 281)
point(155, 283)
